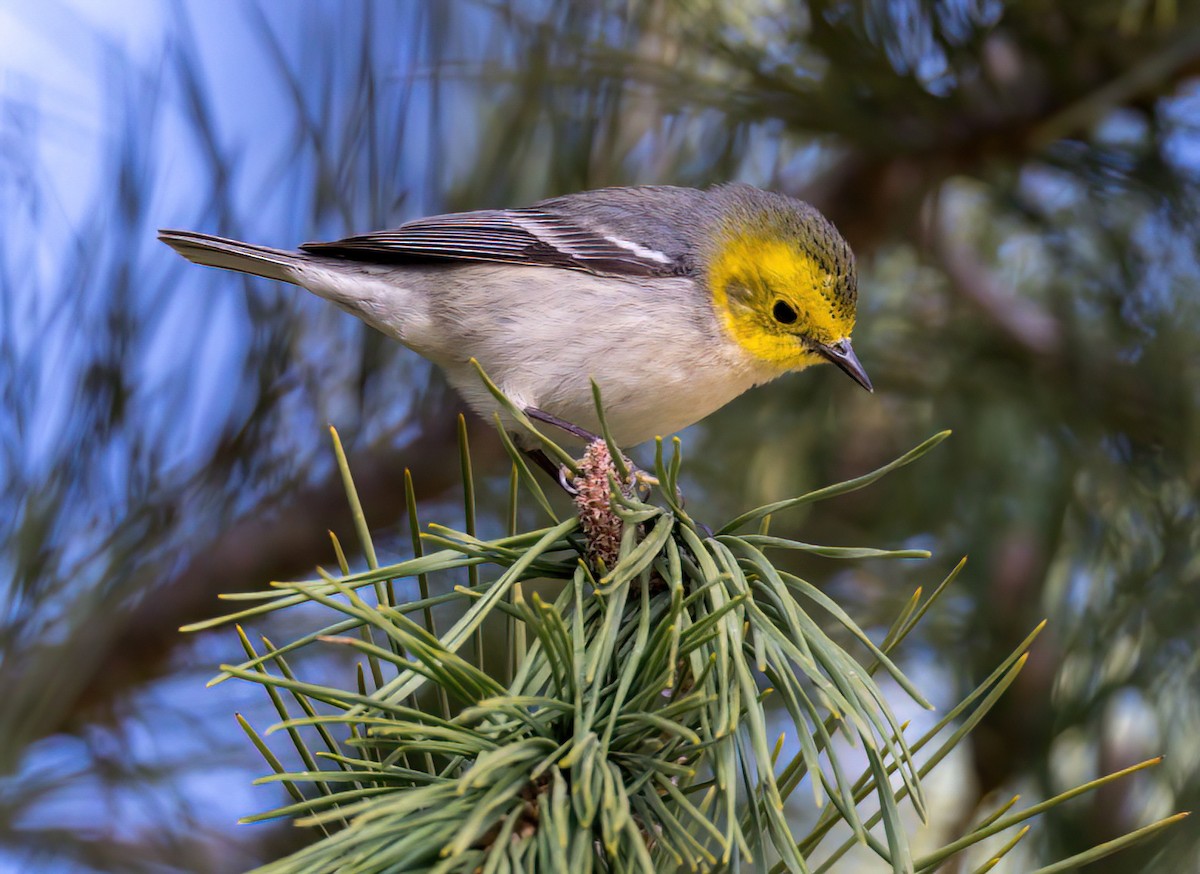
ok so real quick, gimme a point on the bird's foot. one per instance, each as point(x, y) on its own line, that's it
point(640, 480)
point(557, 472)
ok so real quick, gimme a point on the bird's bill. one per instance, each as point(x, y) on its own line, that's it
point(842, 354)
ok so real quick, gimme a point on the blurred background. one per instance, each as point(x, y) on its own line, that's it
point(1019, 180)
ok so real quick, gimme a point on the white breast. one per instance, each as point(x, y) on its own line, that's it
point(657, 353)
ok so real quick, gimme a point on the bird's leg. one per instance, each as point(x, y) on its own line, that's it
point(561, 424)
point(637, 475)
point(556, 471)
point(559, 473)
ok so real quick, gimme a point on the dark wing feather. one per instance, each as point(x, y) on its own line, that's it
point(531, 237)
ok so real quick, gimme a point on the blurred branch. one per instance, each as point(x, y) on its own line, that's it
point(288, 542)
point(876, 189)
point(1020, 320)
point(1154, 75)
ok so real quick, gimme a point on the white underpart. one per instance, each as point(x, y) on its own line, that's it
point(369, 291)
point(541, 333)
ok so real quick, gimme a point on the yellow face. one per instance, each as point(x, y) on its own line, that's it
point(779, 302)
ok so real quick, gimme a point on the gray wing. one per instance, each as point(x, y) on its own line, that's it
point(534, 236)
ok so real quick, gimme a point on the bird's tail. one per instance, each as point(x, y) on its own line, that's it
point(234, 255)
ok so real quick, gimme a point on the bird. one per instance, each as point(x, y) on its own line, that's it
point(673, 300)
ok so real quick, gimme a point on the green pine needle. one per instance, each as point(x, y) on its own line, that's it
point(631, 727)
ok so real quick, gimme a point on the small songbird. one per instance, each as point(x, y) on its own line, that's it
point(675, 300)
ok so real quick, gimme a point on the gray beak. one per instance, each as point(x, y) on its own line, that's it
point(842, 354)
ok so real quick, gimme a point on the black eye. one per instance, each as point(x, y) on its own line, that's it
point(783, 313)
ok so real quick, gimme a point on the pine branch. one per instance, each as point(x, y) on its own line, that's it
point(633, 732)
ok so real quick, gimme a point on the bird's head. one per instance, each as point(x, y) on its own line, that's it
point(782, 280)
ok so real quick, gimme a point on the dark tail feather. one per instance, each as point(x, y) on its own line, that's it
point(234, 255)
